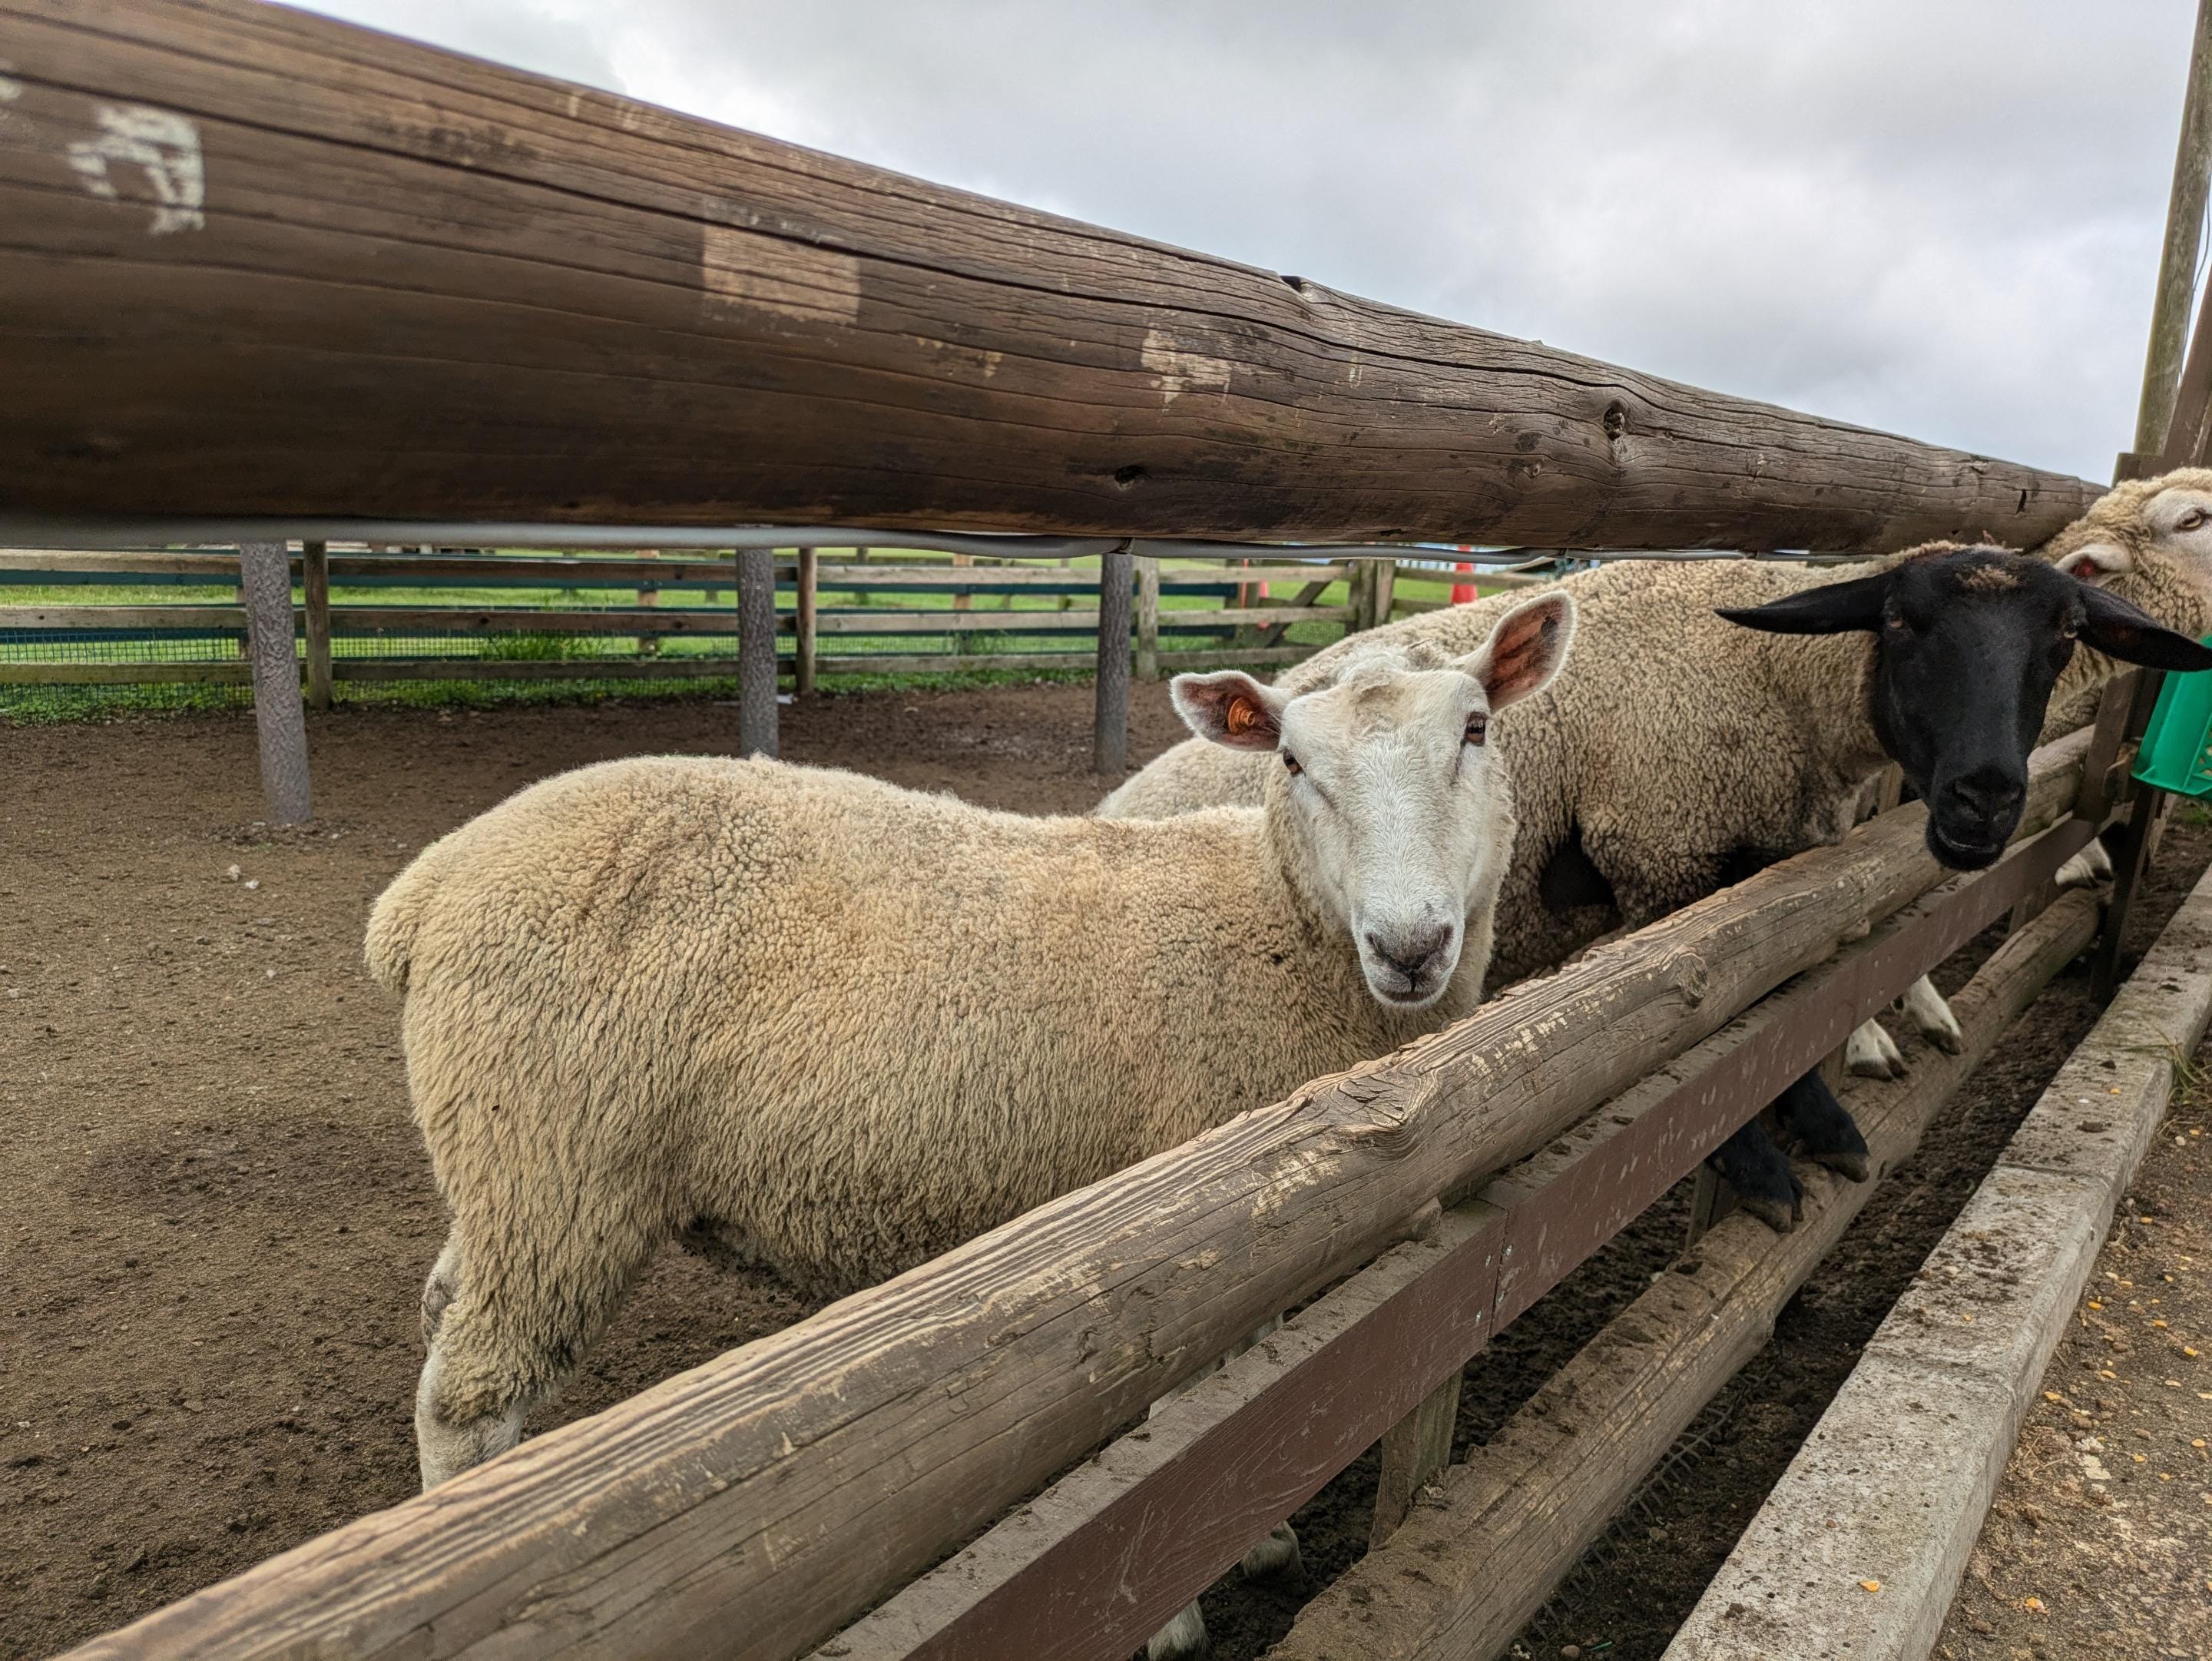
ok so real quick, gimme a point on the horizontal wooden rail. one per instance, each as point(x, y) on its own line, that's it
point(625, 315)
point(1088, 1570)
point(754, 1504)
point(1472, 1564)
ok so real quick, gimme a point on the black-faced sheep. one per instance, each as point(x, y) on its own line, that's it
point(1680, 752)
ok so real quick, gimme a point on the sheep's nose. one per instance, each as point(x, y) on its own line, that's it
point(1987, 793)
point(1412, 952)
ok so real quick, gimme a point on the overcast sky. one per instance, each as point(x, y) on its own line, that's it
point(1940, 218)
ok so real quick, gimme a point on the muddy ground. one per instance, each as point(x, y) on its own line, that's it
point(218, 1215)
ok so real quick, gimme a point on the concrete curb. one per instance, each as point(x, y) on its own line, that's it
point(1891, 1488)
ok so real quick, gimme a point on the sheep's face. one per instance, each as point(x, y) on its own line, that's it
point(1968, 643)
point(2166, 522)
point(1390, 799)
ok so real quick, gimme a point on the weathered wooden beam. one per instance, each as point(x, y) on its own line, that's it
point(265, 583)
point(759, 1501)
point(622, 315)
point(757, 626)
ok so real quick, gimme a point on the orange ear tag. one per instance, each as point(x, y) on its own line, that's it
point(1244, 715)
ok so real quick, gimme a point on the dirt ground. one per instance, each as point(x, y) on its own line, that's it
point(218, 1215)
point(2101, 1540)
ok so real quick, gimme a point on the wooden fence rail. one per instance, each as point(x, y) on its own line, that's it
point(835, 604)
point(753, 1506)
point(338, 231)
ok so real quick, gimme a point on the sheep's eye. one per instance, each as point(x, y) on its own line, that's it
point(1291, 761)
point(1478, 724)
point(2069, 628)
point(2192, 520)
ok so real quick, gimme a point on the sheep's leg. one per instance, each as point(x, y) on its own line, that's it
point(1873, 1053)
point(1932, 1016)
point(1185, 1635)
point(1749, 1163)
point(2092, 865)
point(1809, 1112)
point(439, 1290)
point(493, 1359)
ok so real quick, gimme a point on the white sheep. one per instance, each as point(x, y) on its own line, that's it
point(839, 1027)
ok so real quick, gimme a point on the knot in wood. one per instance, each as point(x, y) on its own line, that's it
point(1690, 976)
point(1616, 419)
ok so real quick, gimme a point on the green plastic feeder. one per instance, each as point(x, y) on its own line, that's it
point(2176, 746)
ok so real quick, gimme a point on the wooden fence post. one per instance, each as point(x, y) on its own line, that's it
point(803, 660)
point(1415, 1449)
point(1109, 748)
point(2177, 265)
point(264, 581)
point(1148, 618)
point(1385, 578)
point(315, 585)
point(756, 734)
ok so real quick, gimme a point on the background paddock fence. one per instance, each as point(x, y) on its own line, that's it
point(119, 618)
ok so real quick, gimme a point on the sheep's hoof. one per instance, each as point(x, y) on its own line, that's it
point(1181, 1638)
point(1823, 1127)
point(1761, 1179)
point(1276, 1556)
point(1873, 1053)
point(1858, 1166)
point(1782, 1218)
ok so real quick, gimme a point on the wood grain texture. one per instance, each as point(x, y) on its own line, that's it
point(416, 284)
point(754, 1504)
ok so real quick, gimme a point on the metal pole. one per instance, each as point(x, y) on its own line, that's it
point(2177, 264)
point(264, 583)
point(1109, 752)
point(756, 651)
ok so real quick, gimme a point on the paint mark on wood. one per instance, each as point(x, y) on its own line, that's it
point(161, 143)
point(1181, 371)
point(798, 280)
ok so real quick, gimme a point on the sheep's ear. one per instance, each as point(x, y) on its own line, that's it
point(1525, 649)
point(1229, 708)
point(2095, 562)
point(1834, 608)
point(2119, 630)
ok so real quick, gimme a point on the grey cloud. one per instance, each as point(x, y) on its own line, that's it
point(1941, 219)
